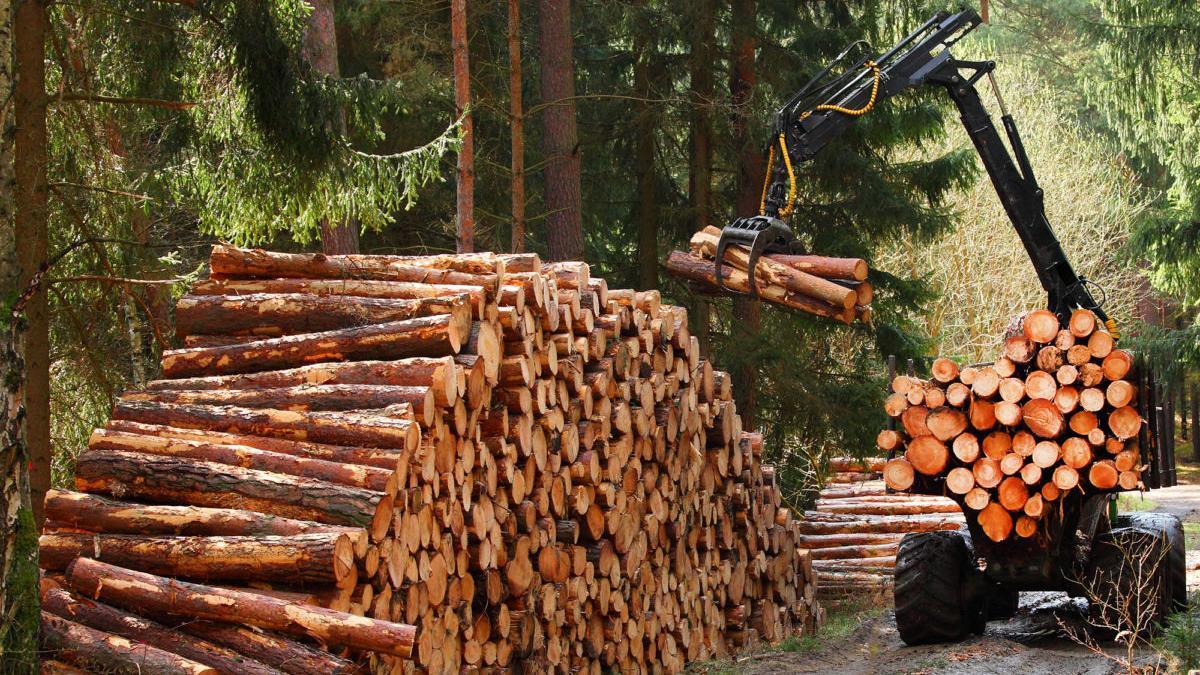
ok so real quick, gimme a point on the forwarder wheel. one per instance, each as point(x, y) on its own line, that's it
point(936, 599)
point(1136, 573)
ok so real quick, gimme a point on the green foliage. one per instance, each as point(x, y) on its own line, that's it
point(1181, 637)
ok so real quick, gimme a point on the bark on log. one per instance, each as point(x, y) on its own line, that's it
point(126, 588)
point(339, 428)
point(322, 558)
point(304, 398)
point(273, 650)
point(101, 617)
point(97, 650)
point(769, 271)
point(426, 336)
point(276, 314)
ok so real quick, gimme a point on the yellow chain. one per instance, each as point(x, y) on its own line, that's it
point(1113, 329)
point(787, 210)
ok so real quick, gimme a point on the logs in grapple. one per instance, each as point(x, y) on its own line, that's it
point(1056, 412)
point(503, 464)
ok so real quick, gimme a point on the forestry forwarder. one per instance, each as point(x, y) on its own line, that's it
point(948, 584)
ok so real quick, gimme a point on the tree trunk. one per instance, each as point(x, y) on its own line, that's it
point(465, 217)
point(646, 208)
point(123, 587)
point(24, 405)
point(560, 141)
point(1196, 422)
point(700, 166)
point(517, 122)
point(320, 48)
point(742, 79)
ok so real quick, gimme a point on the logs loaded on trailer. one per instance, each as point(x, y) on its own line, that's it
point(835, 288)
point(854, 529)
point(422, 464)
point(1057, 412)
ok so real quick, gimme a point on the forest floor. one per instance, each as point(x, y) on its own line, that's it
point(864, 641)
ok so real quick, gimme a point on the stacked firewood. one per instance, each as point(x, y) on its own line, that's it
point(835, 288)
point(535, 471)
point(1056, 413)
point(854, 530)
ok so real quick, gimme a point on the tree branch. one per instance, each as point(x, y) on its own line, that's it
point(154, 102)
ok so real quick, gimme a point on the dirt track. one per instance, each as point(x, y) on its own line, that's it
point(1035, 641)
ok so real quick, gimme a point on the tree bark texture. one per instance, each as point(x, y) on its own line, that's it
point(516, 113)
point(560, 139)
point(465, 186)
point(646, 213)
point(701, 158)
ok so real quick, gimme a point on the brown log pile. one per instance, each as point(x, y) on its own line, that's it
point(854, 530)
point(1056, 413)
point(443, 464)
point(835, 288)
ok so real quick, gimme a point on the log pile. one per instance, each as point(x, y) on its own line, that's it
point(1057, 413)
point(835, 288)
point(534, 471)
point(853, 531)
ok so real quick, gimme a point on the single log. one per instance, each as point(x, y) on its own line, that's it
point(987, 473)
point(1083, 422)
point(1125, 422)
point(1064, 340)
point(1066, 399)
point(946, 423)
point(1023, 443)
point(895, 404)
point(1012, 493)
point(101, 617)
point(1120, 393)
point(1067, 375)
point(196, 482)
point(1082, 323)
point(1079, 355)
point(1090, 375)
point(228, 261)
point(1019, 349)
point(995, 522)
point(1103, 475)
point(323, 558)
point(927, 455)
point(1065, 478)
point(1031, 473)
point(439, 335)
point(976, 498)
point(967, 375)
point(1050, 492)
point(375, 430)
point(966, 447)
point(383, 458)
point(1040, 385)
point(368, 477)
point(1076, 453)
point(1046, 454)
point(304, 398)
point(944, 370)
point(1126, 460)
point(1117, 364)
point(401, 290)
point(125, 588)
point(1008, 413)
point(104, 652)
point(1025, 527)
point(1043, 418)
point(822, 266)
point(982, 414)
point(913, 420)
point(1129, 480)
point(898, 473)
point(1041, 326)
point(1012, 389)
point(957, 394)
point(278, 314)
point(996, 445)
point(1035, 506)
point(960, 480)
point(100, 514)
point(1011, 464)
point(987, 381)
point(887, 440)
point(1091, 399)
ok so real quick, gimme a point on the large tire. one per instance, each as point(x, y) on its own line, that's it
point(1136, 573)
point(935, 598)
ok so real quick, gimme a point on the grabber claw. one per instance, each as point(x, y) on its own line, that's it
point(759, 234)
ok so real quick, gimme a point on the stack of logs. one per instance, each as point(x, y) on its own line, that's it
point(537, 472)
point(855, 528)
point(1056, 413)
point(834, 288)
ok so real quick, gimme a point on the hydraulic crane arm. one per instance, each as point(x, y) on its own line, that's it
point(826, 107)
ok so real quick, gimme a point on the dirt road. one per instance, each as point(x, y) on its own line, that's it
point(1034, 641)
